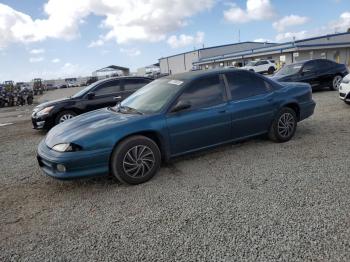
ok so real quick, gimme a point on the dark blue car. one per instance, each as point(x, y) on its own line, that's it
point(173, 116)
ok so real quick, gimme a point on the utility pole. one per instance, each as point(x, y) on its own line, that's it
point(239, 35)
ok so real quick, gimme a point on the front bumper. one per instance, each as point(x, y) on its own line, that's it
point(78, 164)
point(344, 92)
point(42, 122)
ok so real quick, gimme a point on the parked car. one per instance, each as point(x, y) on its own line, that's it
point(344, 90)
point(261, 66)
point(100, 94)
point(319, 73)
point(172, 116)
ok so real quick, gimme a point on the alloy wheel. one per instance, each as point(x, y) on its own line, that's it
point(138, 161)
point(286, 125)
point(65, 117)
point(336, 82)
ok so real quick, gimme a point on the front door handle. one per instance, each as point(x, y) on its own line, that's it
point(117, 97)
point(222, 111)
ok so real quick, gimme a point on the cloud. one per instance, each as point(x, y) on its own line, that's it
point(36, 59)
point(130, 51)
point(37, 51)
point(340, 25)
point(255, 10)
point(185, 40)
point(56, 60)
point(96, 43)
point(289, 21)
point(125, 21)
point(263, 40)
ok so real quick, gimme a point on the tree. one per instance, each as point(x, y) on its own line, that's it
point(349, 30)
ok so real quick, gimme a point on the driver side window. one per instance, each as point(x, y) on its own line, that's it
point(204, 93)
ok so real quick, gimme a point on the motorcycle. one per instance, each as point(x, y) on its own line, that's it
point(25, 96)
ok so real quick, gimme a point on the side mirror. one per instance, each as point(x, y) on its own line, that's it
point(180, 106)
point(91, 95)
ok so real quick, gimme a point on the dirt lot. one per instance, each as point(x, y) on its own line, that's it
point(255, 200)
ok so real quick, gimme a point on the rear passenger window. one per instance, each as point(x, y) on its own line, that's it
point(134, 84)
point(243, 85)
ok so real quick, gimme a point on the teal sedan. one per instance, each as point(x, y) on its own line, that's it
point(172, 116)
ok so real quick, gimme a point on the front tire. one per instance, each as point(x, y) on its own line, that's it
point(64, 116)
point(271, 70)
point(284, 126)
point(336, 82)
point(135, 160)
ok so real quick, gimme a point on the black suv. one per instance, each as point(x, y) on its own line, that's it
point(319, 73)
point(103, 93)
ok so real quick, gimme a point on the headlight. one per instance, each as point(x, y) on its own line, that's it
point(44, 111)
point(66, 147)
point(346, 80)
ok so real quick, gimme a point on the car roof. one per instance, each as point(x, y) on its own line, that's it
point(318, 59)
point(201, 73)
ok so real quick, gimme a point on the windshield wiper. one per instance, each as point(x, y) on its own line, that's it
point(129, 109)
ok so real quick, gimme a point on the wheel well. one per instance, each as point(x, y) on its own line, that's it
point(295, 107)
point(153, 136)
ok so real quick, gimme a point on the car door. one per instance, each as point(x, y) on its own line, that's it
point(206, 123)
point(258, 67)
point(263, 66)
point(130, 85)
point(252, 104)
point(310, 73)
point(104, 95)
point(326, 72)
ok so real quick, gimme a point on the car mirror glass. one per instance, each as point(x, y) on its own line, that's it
point(91, 95)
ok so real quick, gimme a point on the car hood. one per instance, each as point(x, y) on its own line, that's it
point(281, 78)
point(53, 102)
point(89, 125)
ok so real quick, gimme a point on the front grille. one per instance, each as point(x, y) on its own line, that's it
point(342, 94)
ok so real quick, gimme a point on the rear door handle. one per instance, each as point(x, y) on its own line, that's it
point(222, 111)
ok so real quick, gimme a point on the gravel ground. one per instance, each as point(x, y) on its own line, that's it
point(255, 200)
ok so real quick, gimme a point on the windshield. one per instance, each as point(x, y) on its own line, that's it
point(154, 96)
point(290, 69)
point(252, 63)
point(86, 89)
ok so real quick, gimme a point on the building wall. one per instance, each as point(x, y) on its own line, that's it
point(163, 63)
point(223, 50)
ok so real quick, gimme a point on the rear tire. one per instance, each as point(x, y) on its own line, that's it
point(30, 100)
point(135, 160)
point(336, 83)
point(284, 126)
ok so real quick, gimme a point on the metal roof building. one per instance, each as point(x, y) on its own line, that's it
point(184, 62)
point(335, 47)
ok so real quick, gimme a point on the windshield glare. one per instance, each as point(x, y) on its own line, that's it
point(290, 69)
point(154, 96)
